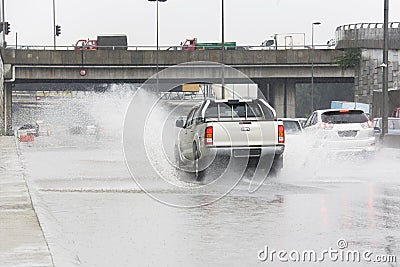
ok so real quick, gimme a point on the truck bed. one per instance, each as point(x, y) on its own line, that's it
point(244, 133)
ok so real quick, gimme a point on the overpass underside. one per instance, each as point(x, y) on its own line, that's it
point(275, 72)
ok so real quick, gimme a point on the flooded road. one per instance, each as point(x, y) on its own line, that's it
point(94, 214)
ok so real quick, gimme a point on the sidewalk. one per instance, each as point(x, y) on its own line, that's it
point(22, 242)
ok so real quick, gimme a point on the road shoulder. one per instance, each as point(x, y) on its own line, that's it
point(22, 240)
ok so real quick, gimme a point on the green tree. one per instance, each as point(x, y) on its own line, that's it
point(349, 58)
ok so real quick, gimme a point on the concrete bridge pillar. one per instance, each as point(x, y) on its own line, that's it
point(8, 109)
point(2, 127)
point(264, 86)
point(284, 97)
point(290, 99)
point(5, 109)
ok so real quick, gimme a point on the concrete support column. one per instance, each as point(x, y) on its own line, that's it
point(263, 86)
point(8, 109)
point(284, 95)
point(2, 125)
point(290, 99)
point(278, 90)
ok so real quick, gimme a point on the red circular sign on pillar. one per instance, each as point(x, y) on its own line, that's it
point(82, 72)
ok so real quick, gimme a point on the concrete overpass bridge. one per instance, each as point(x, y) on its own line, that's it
point(275, 71)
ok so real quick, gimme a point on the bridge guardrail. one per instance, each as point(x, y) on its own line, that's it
point(161, 48)
point(367, 35)
point(369, 25)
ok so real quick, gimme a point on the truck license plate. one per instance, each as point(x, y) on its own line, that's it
point(247, 152)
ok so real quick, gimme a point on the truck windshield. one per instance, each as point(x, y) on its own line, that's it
point(239, 110)
point(344, 116)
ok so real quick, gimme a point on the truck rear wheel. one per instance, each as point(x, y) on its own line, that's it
point(198, 173)
point(276, 166)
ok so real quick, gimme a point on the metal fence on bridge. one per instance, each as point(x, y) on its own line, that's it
point(164, 48)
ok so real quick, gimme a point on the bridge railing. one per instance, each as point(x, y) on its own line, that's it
point(367, 35)
point(164, 48)
point(370, 25)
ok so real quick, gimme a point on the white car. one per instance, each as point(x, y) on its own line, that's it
point(341, 130)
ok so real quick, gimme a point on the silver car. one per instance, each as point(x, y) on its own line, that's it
point(292, 126)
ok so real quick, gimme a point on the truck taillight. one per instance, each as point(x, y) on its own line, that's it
point(208, 135)
point(281, 134)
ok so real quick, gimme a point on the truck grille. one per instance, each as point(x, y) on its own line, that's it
point(351, 133)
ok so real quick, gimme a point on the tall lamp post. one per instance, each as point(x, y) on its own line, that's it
point(54, 23)
point(3, 24)
point(223, 49)
point(157, 36)
point(385, 96)
point(312, 63)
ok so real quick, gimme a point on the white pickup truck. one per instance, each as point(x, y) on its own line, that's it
point(245, 130)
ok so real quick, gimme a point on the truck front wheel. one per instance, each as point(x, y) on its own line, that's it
point(178, 160)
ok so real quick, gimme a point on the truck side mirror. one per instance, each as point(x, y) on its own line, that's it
point(377, 130)
point(179, 123)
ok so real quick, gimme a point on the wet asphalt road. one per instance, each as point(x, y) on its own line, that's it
point(94, 214)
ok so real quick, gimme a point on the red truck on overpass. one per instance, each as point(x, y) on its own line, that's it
point(192, 44)
point(109, 42)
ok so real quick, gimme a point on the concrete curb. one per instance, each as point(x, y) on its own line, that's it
point(22, 239)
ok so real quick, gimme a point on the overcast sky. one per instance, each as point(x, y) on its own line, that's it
point(246, 22)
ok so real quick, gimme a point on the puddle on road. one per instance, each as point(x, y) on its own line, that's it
point(95, 215)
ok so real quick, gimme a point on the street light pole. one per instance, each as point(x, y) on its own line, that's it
point(223, 50)
point(54, 23)
point(385, 95)
point(157, 44)
point(3, 23)
point(157, 37)
point(312, 63)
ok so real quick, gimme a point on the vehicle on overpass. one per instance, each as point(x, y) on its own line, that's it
point(103, 42)
point(192, 44)
point(83, 44)
point(245, 131)
point(285, 41)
